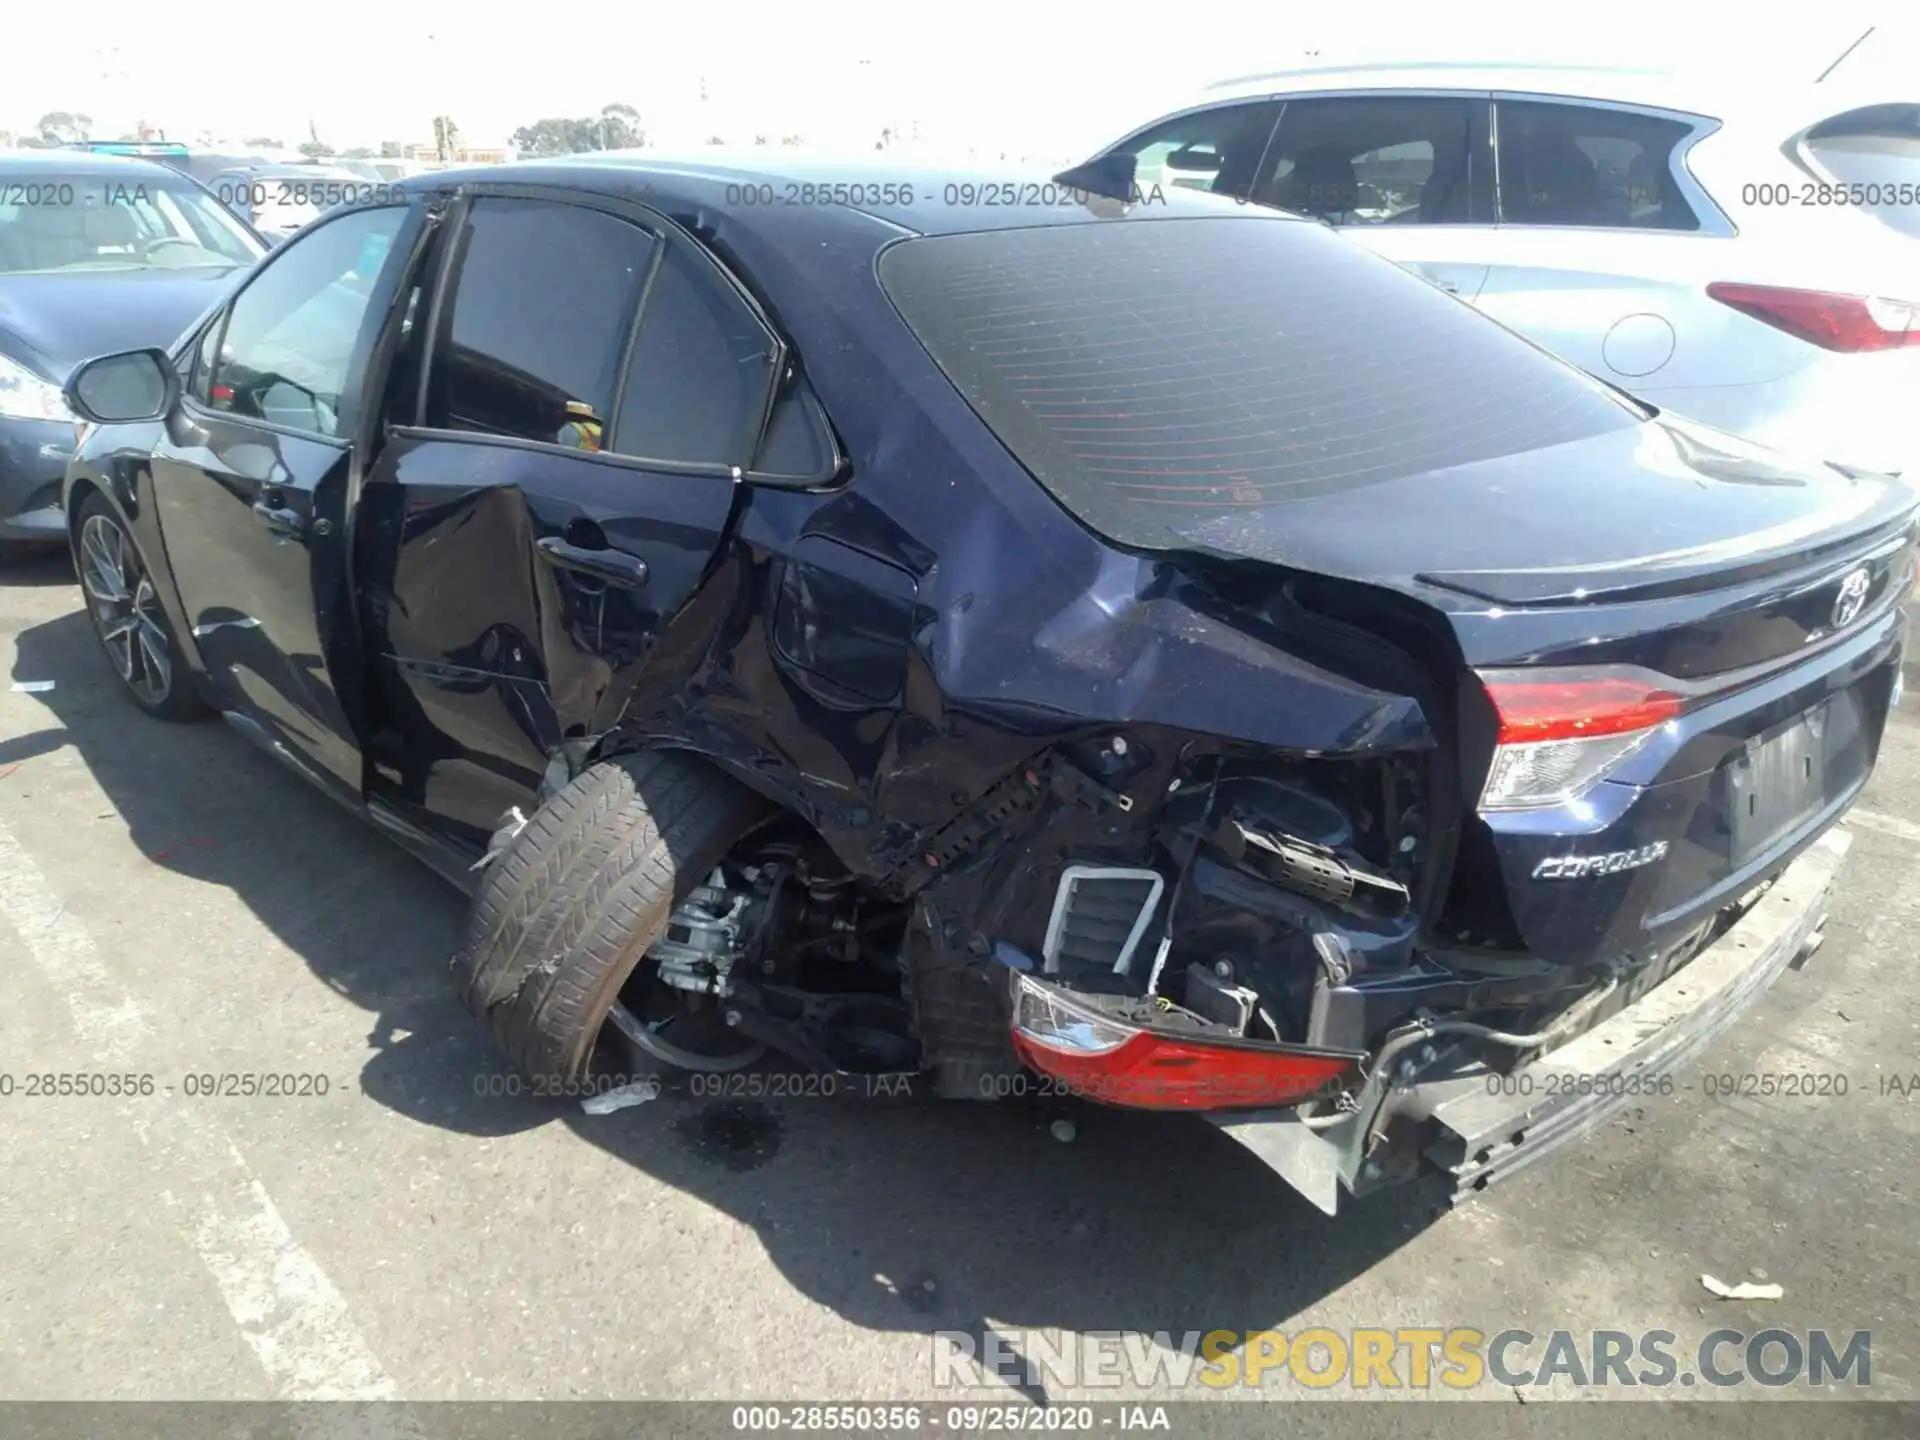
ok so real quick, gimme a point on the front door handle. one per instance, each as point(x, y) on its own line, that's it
point(281, 523)
point(616, 567)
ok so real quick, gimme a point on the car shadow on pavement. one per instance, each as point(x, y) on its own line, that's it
point(896, 1213)
point(41, 567)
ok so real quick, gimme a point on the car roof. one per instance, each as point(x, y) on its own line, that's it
point(275, 169)
point(79, 162)
point(947, 199)
point(1695, 93)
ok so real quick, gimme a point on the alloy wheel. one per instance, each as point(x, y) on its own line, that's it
point(126, 609)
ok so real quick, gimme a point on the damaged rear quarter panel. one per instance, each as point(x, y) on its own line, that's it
point(1016, 627)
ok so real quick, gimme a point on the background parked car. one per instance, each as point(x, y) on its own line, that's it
point(277, 199)
point(96, 254)
point(1744, 258)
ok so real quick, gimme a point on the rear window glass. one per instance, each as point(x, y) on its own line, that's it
point(1158, 374)
point(1875, 152)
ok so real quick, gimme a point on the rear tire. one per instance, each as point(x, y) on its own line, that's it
point(572, 903)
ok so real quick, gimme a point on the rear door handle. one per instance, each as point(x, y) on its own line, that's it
point(282, 523)
point(616, 567)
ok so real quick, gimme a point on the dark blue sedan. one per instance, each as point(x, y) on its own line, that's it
point(1020, 634)
point(97, 253)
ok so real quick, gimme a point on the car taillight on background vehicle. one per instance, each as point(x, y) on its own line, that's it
point(1107, 1060)
point(1847, 323)
point(1563, 730)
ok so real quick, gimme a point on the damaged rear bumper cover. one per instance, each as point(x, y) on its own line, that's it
point(1480, 1138)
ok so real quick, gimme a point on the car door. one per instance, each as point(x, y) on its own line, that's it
point(251, 482)
point(1605, 245)
point(1408, 175)
point(560, 465)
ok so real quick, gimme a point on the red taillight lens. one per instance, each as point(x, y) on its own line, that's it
point(1119, 1064)
point(1562, 731)
point(1847, 323)
point(1575, 705)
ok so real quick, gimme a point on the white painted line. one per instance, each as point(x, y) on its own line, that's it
point(1884, 824)
point(293, 1318)
point(291, 1315)
point(109, 1022)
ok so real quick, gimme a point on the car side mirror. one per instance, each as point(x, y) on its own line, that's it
point(1109, 175)
point(118, 389)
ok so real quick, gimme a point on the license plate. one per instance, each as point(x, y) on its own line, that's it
point(1779, 782)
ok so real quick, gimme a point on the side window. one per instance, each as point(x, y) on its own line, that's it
point(697, 387)
point(1215, 150)
point(1375, 160)
point(1581, 165)
point(290, 334)
point(798, 442)
point(533, 339)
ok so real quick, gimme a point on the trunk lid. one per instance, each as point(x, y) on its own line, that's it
point(1664, 509)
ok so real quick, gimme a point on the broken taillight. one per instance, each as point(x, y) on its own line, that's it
point(1563, 730)
point(1100, 1058)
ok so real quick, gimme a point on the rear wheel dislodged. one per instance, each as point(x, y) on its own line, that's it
point(561, 924)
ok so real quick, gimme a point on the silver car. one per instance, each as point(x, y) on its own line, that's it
point(1749, 258)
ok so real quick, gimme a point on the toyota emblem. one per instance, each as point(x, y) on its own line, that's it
point(1852, 597)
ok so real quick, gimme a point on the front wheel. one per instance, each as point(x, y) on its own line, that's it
point(128, 618)
point(560, 927)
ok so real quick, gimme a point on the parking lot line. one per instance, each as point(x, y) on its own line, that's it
point(291, 1315)
point(1884, 824)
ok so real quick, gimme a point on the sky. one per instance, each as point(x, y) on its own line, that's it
point(1050, 78)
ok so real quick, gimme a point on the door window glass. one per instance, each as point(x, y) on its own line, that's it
point(290, 335)
point(542, 305)
point(1215, 150)
point(1581, 165)
point(697, 387)
point(1373, 160)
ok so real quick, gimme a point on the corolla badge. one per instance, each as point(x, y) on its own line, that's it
point(1852, 597)
point(1574, 867)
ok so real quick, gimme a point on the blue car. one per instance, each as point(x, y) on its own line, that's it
point(1016, 635)
point(97, 253)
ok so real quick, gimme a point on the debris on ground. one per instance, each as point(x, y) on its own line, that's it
point(32, 687)
point(638, 1093)
point(1745, 1290)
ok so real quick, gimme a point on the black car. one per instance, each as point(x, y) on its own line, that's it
point(97, 254)
point(1013, 634)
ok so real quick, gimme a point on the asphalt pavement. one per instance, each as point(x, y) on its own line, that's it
point(174, 906)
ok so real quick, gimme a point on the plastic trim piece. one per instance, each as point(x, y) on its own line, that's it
point(1063, 901)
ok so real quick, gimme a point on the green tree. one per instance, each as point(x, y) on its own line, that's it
point(616, 127)
point(63, 127)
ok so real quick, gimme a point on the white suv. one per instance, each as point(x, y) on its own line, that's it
point(1750, 259)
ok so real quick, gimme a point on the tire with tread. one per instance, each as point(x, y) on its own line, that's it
point(566, 911)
